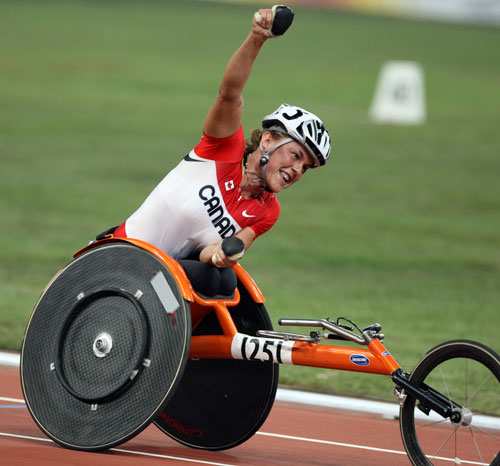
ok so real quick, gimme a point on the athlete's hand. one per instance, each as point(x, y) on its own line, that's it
point(272, 22)
point(219, 259)
point(228, 252)
point(262, 22)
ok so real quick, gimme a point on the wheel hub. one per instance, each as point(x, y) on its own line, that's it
point(461, 417)
point(102, 345)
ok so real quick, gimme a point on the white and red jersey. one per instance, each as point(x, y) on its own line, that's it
point(199, 202)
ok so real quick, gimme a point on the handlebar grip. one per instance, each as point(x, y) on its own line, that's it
point(282, 19)
point(233, 248)
point(332, 336)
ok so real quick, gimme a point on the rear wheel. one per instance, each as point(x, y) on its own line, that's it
point(105, 347)
point(221, 403)
point(469, 374)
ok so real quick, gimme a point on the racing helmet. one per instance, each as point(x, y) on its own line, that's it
point(304, 127)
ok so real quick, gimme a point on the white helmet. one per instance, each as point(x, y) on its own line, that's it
point(304, 127)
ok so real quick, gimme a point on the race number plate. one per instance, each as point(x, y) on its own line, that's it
point(261, 349)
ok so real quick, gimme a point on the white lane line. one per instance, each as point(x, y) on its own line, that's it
point(328, 442)
point(132, 452)
point(361, 447)
point(171, 457)
point(12, 400)
point(287, 437)
point(26, 437)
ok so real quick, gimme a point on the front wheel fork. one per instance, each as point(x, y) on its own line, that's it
point(429, 399)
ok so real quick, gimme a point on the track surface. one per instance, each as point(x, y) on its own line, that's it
point(292, 435)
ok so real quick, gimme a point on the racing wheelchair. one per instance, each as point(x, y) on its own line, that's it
point(119, 339)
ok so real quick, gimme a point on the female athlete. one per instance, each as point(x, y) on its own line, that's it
point(225, 187)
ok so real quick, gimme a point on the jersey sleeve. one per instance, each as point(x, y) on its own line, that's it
point(268, 221)
point(228, 149)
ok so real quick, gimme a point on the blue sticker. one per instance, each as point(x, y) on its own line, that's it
point(386, 353)
point(359, 360)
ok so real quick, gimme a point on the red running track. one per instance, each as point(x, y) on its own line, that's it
point(292, 435)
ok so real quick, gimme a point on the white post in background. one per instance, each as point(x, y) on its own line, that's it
point(400, 95)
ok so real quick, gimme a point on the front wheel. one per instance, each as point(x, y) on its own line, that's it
point(469, 374)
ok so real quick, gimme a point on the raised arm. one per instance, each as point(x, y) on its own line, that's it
point(224, 117)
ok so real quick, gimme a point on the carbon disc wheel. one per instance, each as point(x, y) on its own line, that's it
point(105, 347)
point(221, 403)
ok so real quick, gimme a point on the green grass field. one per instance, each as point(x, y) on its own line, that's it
point(98, 100)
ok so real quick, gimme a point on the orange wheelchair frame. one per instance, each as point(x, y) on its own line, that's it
point(269, 346)
point(376, 359)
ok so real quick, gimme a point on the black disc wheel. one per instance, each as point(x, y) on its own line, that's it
point(220, 403)
point(105, 348)
point(469, 374)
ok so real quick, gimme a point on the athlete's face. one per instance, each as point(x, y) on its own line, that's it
point(286, 165)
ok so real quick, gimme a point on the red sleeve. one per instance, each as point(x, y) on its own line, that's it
point(121, 232)
point(228, 149)
point(268, 221)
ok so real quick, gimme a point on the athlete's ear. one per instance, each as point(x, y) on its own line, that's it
point(266, 140)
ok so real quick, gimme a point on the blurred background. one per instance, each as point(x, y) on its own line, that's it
point(100, 99)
